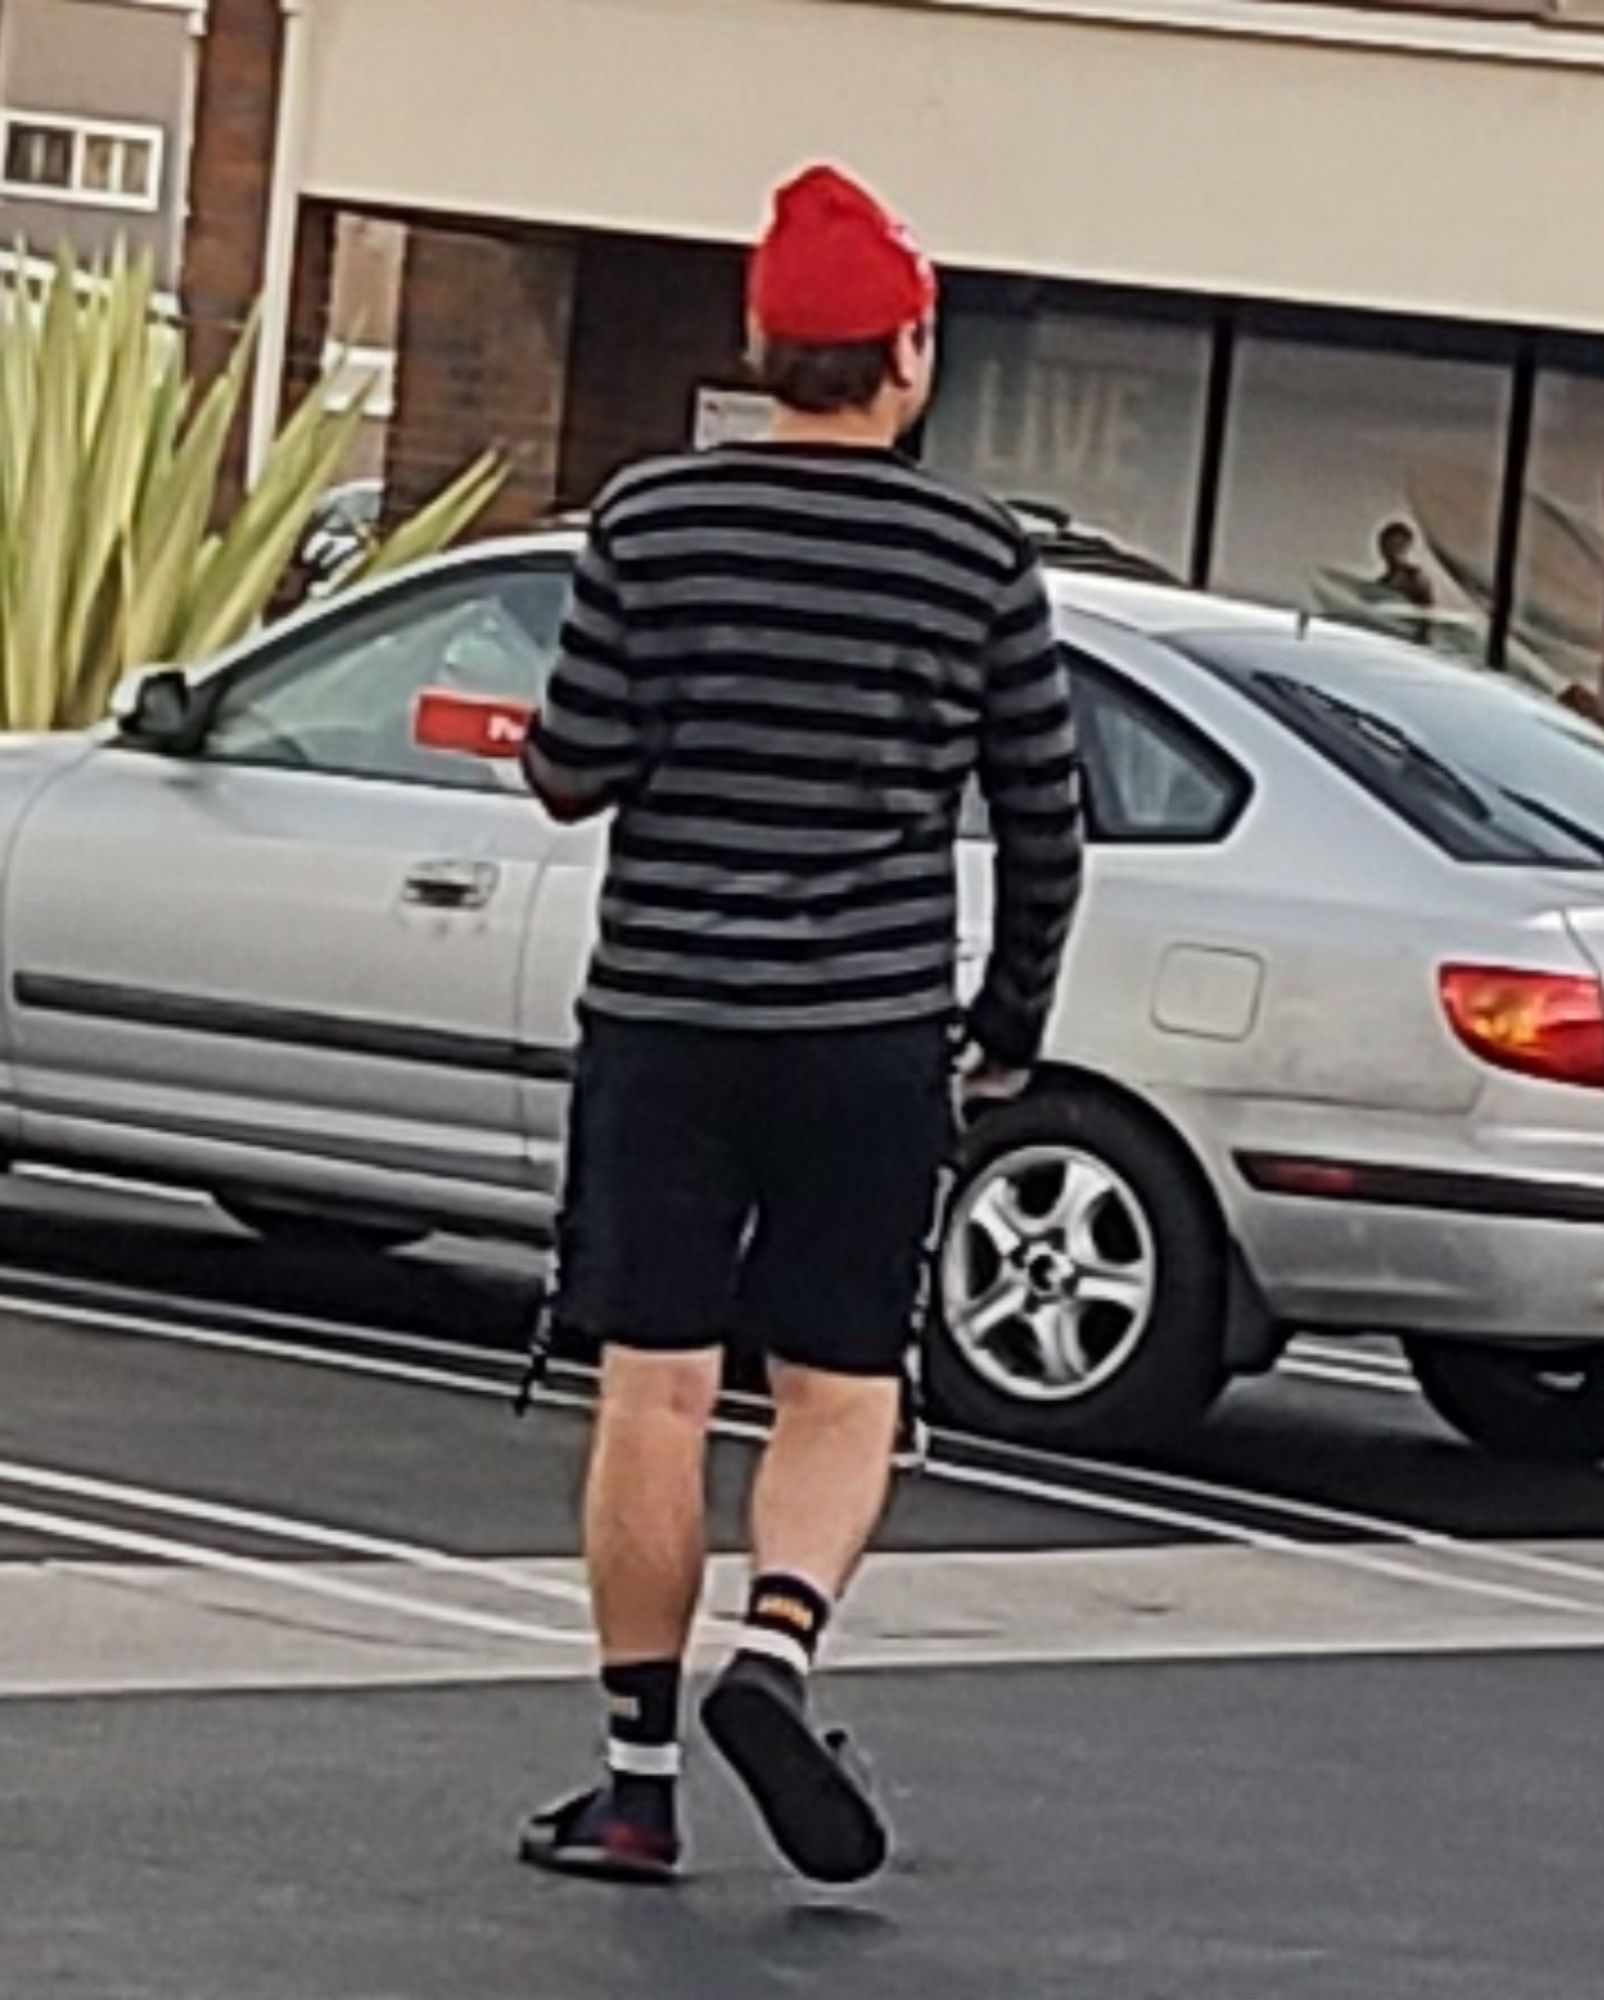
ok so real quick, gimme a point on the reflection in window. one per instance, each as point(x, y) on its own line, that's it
point(341, 697)
point(1365, 484)
point(70, 157)
point(101, 164)
point(135, 170)
point(38, 156)
point(1491, 772)
point(1100, 416)
point(1557, 632)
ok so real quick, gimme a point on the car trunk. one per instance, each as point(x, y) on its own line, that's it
point(1583, 905)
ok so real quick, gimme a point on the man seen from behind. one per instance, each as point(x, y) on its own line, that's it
point(783, 665)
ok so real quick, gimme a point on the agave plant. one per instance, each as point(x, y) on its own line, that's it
point(110, 556)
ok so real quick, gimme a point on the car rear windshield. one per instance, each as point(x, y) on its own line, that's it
point(1490, 772)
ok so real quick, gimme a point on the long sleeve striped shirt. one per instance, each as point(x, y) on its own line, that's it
point(782, 666)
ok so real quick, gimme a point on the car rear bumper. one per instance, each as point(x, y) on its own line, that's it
point(1383, 1247)
point(1448, 1191)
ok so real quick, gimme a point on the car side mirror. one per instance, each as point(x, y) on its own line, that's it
point(156, 707)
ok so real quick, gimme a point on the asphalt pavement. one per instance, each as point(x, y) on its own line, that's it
point(292, 1632)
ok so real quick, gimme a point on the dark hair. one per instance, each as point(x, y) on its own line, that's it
point(1396, 535)
point(822, 380)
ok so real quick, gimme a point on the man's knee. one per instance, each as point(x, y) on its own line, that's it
point(680, 1387)
point(829, 1399)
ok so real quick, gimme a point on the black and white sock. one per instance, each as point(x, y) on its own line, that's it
point(785, 1621)
point(643, 1753)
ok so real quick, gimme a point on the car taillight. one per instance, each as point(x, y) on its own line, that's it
point(1545, 1024)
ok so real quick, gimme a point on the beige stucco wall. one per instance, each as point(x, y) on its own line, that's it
point(97, 59)
point(1270, 151)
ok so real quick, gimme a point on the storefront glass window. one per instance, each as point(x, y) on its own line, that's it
point(1097, 415)
point(1365, 484)
point(1558, 623)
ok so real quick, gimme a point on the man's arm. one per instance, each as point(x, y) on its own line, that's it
point(584, 749)
point(1029, 773)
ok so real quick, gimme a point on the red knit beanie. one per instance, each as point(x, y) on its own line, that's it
point(835, 267)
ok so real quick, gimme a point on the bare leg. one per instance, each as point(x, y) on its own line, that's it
point(644, 1541)
point(822, 1485)
point(818, 1495)
point(644, 1536)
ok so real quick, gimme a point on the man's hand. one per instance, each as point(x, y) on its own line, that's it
point(562, 803)
point(982, 1084)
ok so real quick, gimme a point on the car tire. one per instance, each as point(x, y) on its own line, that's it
point(299, 1229)
point(1544, 1405)
point(1122, 1244)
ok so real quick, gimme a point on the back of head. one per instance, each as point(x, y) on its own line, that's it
point(1396, 541)
point(841, 305)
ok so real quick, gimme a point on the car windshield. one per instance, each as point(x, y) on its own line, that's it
point(1490, 772)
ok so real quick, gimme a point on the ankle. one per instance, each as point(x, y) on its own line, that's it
point(786, 1617)
point(643, 1751)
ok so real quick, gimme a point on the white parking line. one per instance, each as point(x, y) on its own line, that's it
point(108, 1320)
point(1348, 1353)
point(1056, 1493)
point(284, 1528)
point(281, 1576)
point(1270, 1543)
point(127, 1301)
point(1349, 1377)
point(77, 1177)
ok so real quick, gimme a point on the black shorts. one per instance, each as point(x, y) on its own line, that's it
point(772, 1190)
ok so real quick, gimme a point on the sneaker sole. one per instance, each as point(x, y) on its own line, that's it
point(818, 1817)
point(596, 1864)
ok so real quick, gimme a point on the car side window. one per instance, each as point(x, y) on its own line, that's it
point(339, 695)
point(1149, 774)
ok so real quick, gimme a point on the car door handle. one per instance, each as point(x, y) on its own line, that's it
point(451, 885)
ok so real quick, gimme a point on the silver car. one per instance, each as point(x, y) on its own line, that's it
point(1328, 1052)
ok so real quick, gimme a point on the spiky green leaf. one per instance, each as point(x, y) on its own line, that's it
point(111, 552)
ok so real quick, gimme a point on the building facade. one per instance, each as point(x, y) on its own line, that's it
point(1246, 283)
point(95, 101)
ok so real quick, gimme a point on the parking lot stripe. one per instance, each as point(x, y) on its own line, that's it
point(1348, 1353)
point(1350, 1378)
point(284, 1528)
point(1267, 1542)
point(1054, 1491)
point(197, 1555)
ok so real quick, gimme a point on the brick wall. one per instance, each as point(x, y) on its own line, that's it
point(569, 356)
point(652, 322)
point(484, 345)
point(311, 299)
point(230, 182)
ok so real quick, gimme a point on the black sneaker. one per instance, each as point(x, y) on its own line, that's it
point(812, 1796)
point(590, 1836)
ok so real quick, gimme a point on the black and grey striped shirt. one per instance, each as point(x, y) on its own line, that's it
point(782, 665)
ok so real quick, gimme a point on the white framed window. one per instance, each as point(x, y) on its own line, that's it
point(44, 157)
